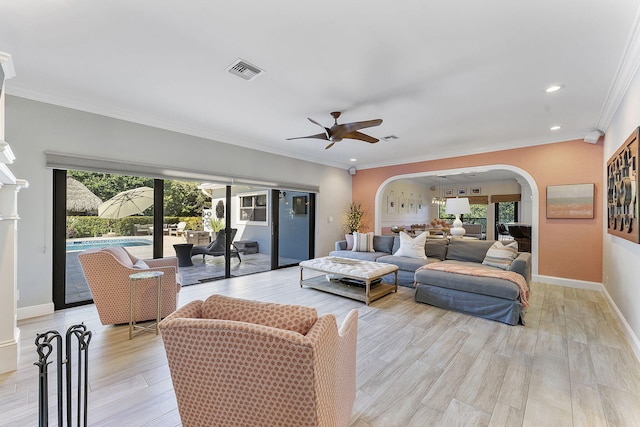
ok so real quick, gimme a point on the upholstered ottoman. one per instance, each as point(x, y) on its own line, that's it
point(365, 282)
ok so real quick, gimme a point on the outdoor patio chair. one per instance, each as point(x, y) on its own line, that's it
point(178, 230)
point(217, 247)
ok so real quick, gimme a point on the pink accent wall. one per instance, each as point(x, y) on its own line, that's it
point(567, 248)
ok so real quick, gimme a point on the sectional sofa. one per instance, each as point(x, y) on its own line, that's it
point(494, 298)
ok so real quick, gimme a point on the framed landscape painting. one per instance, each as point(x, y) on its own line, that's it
point(572, 201)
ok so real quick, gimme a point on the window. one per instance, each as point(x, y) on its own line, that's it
point(253, 208)
point(478, 215)
point(506, 212)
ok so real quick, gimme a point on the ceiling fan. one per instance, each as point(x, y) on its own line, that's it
point(338, 132)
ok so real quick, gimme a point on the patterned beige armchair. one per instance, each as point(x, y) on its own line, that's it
point(107, 273)
point(235, 362)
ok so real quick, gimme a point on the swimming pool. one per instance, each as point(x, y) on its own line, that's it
point(81, 245)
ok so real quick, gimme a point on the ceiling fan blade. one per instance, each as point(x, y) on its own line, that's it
point(361, 136)
point(314, 122)
point(346, 130)
point(326, 130)
point(317, 136)
point(338, 131)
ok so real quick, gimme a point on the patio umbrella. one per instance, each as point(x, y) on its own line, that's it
point(127, 203)
point(79, 198)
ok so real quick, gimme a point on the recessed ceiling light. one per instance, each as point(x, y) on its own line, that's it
point(353, 160)
point(553, 88)
point(554, 128)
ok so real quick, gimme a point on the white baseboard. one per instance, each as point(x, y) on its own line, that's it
point(10, 353)
point(35, 311)
point(569, 283)
point(634, 342)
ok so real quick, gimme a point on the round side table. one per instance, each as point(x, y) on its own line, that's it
point(133, 282)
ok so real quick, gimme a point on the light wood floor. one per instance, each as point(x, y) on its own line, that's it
point(417, 365)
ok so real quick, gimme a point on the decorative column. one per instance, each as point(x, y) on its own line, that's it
point(9, 188)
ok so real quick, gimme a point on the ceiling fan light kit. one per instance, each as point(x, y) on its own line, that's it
point(338, 132)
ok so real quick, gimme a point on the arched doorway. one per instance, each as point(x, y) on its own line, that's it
point(529, 195)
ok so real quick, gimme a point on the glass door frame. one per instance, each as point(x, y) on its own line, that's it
point(58, 244)
point(275, 228)
point(59, 237)
point(59, 233)
point(516, 214)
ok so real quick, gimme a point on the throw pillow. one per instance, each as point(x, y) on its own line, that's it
point(412, 248)
point(349, 238)
point(500, 255)
point(436, 248)
point(383, 244)
point(141, 265)
point(120, 254)
point(362, 242)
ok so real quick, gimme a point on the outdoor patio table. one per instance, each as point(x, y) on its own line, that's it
point(183, 252)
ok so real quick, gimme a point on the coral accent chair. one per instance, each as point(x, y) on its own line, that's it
point(107, 273)
point(236, 362)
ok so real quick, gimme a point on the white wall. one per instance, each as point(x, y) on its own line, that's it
point(408, 190)
point(33, 128)
point(621, 258)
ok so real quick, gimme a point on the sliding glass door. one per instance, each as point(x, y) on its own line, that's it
point(292, 228)
point(93, 210)
point(505, 213)
point(266, 228)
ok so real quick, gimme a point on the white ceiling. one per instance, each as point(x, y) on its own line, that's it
point(447, 77)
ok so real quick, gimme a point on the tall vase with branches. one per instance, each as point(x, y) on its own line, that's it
point(353, 217)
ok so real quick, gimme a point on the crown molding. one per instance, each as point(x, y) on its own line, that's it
point(454, 151)
point(150, 121)
point(6, 154)
point(7, 65)
point(626, 72)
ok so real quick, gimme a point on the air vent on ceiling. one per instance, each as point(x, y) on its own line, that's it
point(245, 70)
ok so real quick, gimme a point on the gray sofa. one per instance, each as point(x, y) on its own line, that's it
point(486, 297)
point(386, 246)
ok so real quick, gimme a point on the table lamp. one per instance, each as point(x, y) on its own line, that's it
point(457, 207)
